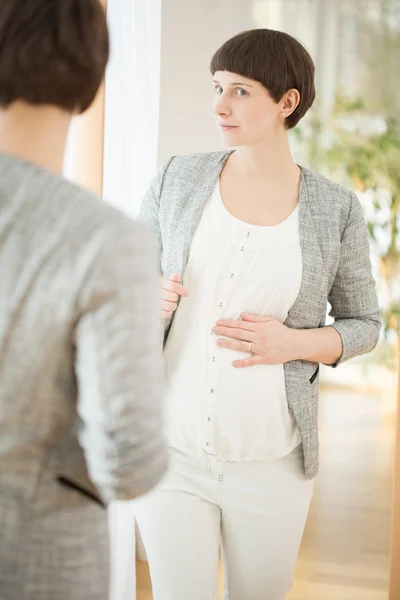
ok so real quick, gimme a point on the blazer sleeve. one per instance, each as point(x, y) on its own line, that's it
point(353, 295)
point(119, 368)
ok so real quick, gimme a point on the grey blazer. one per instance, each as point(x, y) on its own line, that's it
point(336, 267)
point(80, 381)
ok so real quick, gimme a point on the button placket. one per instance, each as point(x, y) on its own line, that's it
point(209, 420)
point(234, 268)
point(209, 427)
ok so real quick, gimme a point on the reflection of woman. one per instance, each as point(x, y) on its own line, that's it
point(80, 361)
point(263, 245)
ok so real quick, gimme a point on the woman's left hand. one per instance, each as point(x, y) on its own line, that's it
point(269, 341)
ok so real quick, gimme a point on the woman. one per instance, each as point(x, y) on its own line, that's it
point(80, 362)
point(262, 244)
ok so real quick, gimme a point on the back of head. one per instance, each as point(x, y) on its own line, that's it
point(275, 59)
point(52, 52)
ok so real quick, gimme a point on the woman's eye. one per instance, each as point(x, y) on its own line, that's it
point(218, 89)
point(241, 92)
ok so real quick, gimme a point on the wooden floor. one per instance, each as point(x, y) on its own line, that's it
point(345, 549)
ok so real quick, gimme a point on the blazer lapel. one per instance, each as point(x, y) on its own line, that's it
point(313, 277)
point(187, 214)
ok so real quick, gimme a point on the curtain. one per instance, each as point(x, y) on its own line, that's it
point(130, 160)
point(132, 102)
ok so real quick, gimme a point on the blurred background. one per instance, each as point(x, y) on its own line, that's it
point(157, 102)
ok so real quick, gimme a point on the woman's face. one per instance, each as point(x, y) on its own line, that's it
point(245, 112)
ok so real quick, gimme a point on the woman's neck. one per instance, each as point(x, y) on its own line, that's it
point(37, 134)
point(266, 160)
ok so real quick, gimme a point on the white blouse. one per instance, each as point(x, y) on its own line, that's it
point(213, 408)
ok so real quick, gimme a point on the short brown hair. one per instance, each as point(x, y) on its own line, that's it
point(52, 52)
point(275, 59)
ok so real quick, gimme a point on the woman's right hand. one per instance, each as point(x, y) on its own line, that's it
point(171, 290)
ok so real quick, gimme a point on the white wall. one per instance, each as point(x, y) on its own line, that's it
point(191, 32)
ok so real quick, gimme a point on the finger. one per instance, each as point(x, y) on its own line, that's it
point(237, 345)
point(255, 318)
point(176, 278)
point(248, 362)
point(173, 286)
point(235, 324)
point(171, 296)
point(238, 334)
point(168, 306)
point(229, 323)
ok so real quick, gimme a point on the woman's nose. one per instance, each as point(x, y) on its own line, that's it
point(221, 106)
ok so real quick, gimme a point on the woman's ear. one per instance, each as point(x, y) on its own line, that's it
point(290, 102)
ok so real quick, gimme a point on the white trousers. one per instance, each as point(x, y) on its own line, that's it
point(256, 511)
